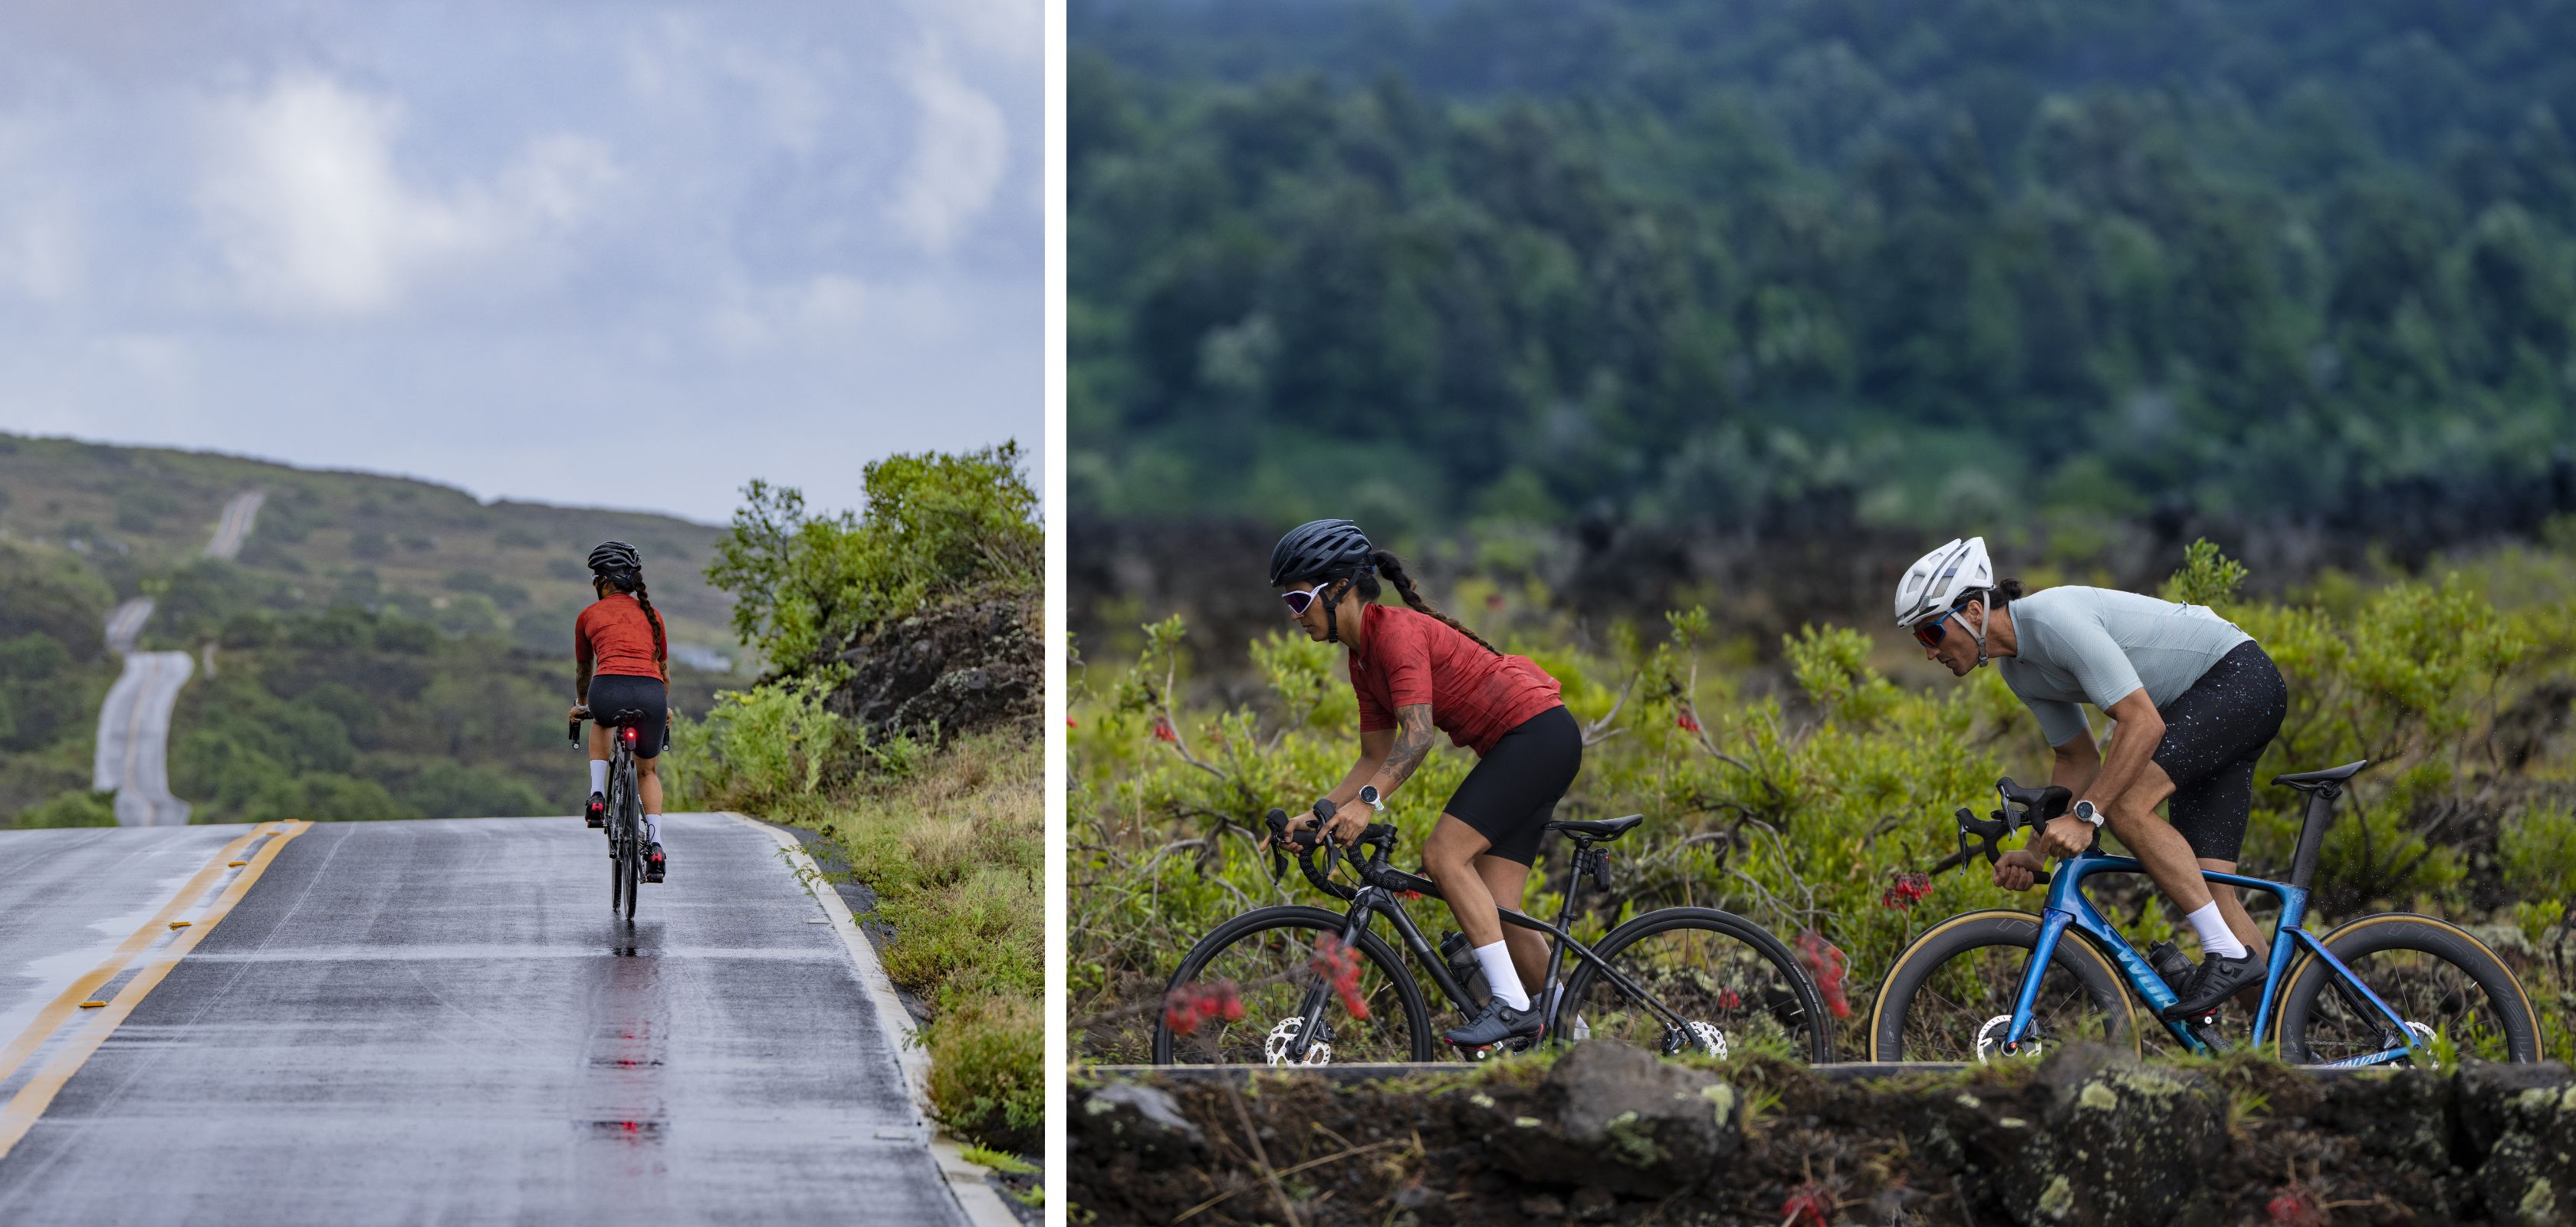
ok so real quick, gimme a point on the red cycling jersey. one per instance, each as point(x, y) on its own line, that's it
point(1406, 657)
point(615, 632)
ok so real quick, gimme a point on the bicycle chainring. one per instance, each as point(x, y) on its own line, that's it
point(1990, 1040)
point(1274, 1047)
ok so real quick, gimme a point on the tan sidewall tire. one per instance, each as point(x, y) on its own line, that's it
point(2074, 950)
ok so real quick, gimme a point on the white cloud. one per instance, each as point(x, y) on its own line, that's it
point(961, 147)
point(302, 194)
point(1013, 29)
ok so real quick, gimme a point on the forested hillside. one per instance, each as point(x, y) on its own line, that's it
point(2049, 264)
point(380, 648)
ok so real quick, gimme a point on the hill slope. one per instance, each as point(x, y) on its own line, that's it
point(381, 647)
point(142, 516)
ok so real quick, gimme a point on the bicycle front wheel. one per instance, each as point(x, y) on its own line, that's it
point(1945, 997)
point(1698, 979)
point(1242, 992)
point(2441, 981)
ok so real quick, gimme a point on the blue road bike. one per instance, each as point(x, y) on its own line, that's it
point(2386, 989)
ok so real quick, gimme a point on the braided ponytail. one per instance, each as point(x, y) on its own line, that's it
point(1392, 568)
point(661, 646)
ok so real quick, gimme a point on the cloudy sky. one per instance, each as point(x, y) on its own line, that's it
point(584, 252)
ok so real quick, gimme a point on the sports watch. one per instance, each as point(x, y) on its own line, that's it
point(1369, 793)
point(2085, 811)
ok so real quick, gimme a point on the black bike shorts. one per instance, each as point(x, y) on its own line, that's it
point(2214, 732)
point(611, 693)
point(1513, 792)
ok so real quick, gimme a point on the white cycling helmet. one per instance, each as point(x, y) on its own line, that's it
point(1938, 581)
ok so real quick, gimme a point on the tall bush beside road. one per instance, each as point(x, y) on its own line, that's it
point(1809, 791)
point(898, 723)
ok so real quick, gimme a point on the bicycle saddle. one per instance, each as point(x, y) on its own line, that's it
point(1601, 829)
point(625, 716)
point(2306, 781)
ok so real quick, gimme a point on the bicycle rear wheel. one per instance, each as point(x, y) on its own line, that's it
point(1264, 967)
point(1945, 993)
point(2435, 975)
point(1733, 985)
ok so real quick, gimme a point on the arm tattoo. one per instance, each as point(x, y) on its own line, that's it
point(1412, 744)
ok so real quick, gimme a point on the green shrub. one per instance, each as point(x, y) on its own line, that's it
point(2536, 853)
point(72, 809)
point(988, 1072)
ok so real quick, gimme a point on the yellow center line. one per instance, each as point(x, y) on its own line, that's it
point(63, 1006)
point(22, 1110)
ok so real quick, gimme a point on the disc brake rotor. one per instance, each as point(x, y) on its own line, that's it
point(1274, 1047)
point(1707, 1038)
point(2423, 1037)
point(1990, 1040)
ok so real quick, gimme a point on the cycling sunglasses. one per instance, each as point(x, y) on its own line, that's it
point(1299, 602)
point(1930, 634)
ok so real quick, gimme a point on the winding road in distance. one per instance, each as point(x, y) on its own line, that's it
point(439, 1021)
point(133, 743)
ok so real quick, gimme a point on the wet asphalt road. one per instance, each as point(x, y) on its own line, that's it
point(440, 1022)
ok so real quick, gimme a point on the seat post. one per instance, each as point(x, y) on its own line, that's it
point(2312, 833)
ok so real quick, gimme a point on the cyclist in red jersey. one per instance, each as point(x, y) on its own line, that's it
point(621, 660)
point(1417, 670)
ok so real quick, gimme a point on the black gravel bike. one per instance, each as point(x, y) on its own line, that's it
point(1298, 985)
point(625, 809)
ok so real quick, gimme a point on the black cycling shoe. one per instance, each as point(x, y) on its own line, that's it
point(2213, 982)
point(596, 812)
point(653, 862)
point(1499, 1023)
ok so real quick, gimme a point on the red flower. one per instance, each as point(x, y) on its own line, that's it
point(1688, 722)
point(1339, 965)
point(2292, 1207)
point(1163, 730)
point(1825, 962)
point(1727, 999)
point(1068, 722)
point(1191, 1005)
point(1809, 1205)
point(1906, 890)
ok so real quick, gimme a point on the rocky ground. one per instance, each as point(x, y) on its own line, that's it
point(1607, 1134)
point(964, 667)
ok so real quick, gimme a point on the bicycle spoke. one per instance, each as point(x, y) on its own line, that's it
point(1271, 976)
point(1979, 984)
point(2423, 989)
point(1700, 976)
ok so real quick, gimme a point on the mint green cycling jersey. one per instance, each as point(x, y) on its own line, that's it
point(2077, 645)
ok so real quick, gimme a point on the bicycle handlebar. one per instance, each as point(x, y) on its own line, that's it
point(1309, 840)
point(2023, 807)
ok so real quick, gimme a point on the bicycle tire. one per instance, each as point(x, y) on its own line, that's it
point(1744, 995)
point(1900, 1030)
point(1240, 1042)
point(2509, 1020)
point(625, 847)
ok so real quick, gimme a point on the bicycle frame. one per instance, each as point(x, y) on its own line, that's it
point(2067, 908)
point(1374, 900)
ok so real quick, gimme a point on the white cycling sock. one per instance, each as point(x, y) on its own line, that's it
point(2215, 937)
point(652, 829)
point(1503, 978)
point(599, 775)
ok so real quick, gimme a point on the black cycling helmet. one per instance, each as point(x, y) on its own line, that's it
point(616, 560)
point(1319, 549)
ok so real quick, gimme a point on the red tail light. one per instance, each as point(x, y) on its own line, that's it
point(629, 734)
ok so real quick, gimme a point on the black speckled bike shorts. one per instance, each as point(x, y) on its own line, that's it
point(2214, 733)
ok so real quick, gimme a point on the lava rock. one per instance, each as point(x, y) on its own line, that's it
point(1124, 1121)
point(2119, 1142)
point(2522, 1118)
point(1613, 1117)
